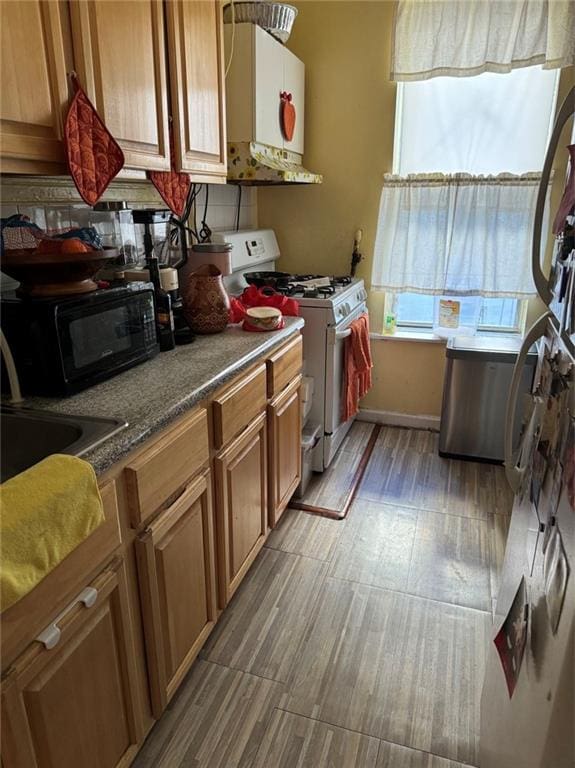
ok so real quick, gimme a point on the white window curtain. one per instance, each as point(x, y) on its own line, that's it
point(488, 124)
point(456, 234)
point(464, 38)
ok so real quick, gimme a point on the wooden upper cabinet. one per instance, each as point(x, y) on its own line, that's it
point(119, 50)
point(35, 44)
point(195, 50)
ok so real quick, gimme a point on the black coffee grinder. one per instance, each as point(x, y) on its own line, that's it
point(168, 272)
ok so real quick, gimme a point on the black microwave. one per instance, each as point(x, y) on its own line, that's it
point(63, 345)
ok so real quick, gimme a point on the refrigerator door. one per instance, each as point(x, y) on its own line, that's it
point(533, 728)
point(539, 278)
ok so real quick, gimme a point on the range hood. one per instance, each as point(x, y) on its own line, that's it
point(257, 164)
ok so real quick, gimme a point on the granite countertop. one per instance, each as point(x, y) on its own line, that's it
point(153, 394)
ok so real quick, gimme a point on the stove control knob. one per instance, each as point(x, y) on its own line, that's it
point(341, 312)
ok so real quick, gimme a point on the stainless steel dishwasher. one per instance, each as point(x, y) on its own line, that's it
point(475, 387)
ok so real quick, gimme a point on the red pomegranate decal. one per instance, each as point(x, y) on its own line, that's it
point(287, 115)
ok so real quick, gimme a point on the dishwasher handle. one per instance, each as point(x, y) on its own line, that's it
point(513, 472)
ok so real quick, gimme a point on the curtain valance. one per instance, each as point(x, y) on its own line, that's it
point(459, 234)
point(458, 38)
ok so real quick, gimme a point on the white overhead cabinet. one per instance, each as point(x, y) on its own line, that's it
point(261, 70)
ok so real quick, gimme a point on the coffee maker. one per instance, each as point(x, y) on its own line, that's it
point(164, 238)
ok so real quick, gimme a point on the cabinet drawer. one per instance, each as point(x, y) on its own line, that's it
point(160, 471)
point(239, 406)
point(284, 366)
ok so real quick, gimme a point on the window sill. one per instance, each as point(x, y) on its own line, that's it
point(419, 336)
point(427, 337)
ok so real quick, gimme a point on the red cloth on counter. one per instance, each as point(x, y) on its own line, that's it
point(358, 365)
point(257, 297)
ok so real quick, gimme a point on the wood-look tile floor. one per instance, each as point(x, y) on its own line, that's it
point(356, 643)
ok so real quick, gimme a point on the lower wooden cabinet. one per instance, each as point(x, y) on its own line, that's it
point(284, 429)
point(177, 574)
point(77, 703)
point(241, 504)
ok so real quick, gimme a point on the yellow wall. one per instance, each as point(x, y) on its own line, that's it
point(407, 377)
point(350, 116)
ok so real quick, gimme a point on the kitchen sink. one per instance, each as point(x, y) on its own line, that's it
point(27, 436)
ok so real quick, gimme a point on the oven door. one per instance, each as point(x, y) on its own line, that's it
point(335, 428)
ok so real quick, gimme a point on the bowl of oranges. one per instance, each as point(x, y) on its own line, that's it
point(58, 266)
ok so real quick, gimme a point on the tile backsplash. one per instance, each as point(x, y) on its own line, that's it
point(53, 203)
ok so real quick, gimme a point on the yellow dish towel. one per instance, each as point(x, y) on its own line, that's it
point(46, 512)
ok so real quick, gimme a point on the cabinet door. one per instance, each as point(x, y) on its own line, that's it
point(269, 83)
point(284, 419)
point(76, 705)
point(241, 505)
point(197, 87)
point(33, 42)
point(294, 83)
point(178, 587)
point(119, 50)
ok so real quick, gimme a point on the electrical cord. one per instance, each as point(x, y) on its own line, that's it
point(239, 205)
point(181, 223)
point(205, 233)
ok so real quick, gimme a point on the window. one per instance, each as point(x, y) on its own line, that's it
point(486, 125)
point(417, 310)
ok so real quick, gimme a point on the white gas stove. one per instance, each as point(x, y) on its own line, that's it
point(328, 305)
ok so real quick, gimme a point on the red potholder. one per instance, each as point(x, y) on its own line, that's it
point(94, 156)
point(172, 185)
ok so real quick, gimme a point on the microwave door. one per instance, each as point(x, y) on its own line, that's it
point(107, 336)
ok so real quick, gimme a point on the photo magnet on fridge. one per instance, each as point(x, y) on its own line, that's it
point(556, 573)
point(511, 639)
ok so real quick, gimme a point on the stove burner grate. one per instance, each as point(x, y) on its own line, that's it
point(295, 285)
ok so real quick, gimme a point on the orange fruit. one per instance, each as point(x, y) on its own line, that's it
point(74, 245)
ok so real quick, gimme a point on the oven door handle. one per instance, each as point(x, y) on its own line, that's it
point(334, 335)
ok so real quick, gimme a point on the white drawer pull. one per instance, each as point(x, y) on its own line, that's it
point(51, 635)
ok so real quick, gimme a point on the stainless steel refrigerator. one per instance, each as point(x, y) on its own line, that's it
point(527, 706)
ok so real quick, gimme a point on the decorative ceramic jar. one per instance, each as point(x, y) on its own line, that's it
point(206, 303)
